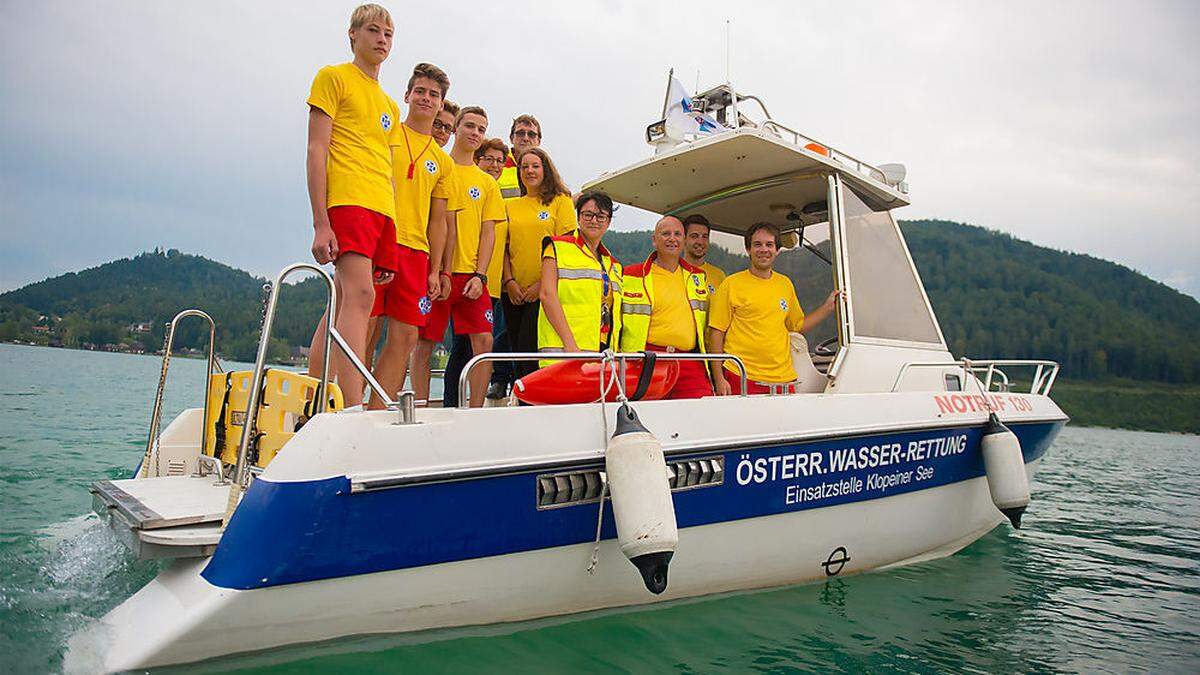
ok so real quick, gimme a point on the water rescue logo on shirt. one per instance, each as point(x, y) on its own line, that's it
point(543, 215)
point(385, 121)
point(487, 314)
point(424, 305)
point(431, 166)
point(475, 192)
point(783, 304)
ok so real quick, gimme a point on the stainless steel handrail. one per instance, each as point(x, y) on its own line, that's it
point(873, 172)
point(260, 362)
point(1045, 374)
point(156, 411)
point(620, 357)
point(332, 337)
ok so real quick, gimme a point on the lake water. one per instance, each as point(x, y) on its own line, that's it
point(1104, 577)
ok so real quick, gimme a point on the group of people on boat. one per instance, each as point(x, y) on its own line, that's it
point(488, 238)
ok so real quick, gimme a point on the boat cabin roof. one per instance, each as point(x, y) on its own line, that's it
point(738, 177)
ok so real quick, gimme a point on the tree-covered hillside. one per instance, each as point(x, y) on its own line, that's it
point(994, 295)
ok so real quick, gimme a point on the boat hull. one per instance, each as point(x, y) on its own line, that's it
point(738, 535)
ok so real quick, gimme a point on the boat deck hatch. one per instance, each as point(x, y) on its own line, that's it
point(583, 487)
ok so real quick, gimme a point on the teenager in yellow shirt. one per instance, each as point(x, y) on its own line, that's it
point(350, 120)
point(442, 128)
point(544, 210)
point(422, 181)
point(468, 303)
point(751, 315)
point(696, 231)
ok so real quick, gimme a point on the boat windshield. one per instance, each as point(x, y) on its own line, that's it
point(886, 297)
point(808, 265)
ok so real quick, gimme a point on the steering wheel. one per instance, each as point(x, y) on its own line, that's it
point(826, 347)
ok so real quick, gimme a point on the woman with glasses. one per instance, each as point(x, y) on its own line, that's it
point(581, 284)
point(544, 210)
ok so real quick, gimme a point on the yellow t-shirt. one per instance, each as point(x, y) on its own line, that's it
point(715, 277)
point(671, 322)
point(359, 168)
point(529, 222)
point(756, 315)
point(432, 178)
point(481, 199)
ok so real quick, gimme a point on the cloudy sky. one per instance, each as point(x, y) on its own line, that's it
point(130, 125)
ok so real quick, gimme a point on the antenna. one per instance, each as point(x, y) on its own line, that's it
point(726, 51)
point(728, 82)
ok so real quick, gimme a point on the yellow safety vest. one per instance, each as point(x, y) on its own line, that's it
point(581, 287)
point(637, 302)
point(510, 186)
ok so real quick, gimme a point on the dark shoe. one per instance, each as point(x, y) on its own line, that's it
point(497, 390)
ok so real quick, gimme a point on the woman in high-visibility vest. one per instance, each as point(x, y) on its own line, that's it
point(581, 284)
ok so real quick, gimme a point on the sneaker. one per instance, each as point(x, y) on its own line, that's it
point(497, 390)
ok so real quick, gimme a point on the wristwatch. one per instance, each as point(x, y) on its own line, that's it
point(481, 276)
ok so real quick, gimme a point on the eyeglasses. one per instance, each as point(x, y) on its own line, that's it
point(443, 126)
point(594, 216)
point(526, 133)
point(491, 160)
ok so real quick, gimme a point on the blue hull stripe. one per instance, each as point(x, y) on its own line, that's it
point(303, 531)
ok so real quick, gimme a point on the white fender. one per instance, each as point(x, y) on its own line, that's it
point(641, 499)
point(1005, 467)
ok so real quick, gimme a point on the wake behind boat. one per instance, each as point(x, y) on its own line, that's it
point(288, 521)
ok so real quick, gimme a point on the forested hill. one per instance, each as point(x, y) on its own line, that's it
point(994, 295)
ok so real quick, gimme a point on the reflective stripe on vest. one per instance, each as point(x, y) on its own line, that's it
point(637, 303)
point(581, 292)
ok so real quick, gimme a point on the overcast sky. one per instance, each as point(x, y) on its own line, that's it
point(130, 125)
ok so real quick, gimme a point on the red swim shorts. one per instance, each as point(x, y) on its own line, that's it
point(365, 232)
point(693, 379)
point(752, 387)
point(405, 299)
point(470, 316)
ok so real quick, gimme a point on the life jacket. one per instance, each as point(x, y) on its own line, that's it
point(510, 185)
point(581, 291)
point(637, 302)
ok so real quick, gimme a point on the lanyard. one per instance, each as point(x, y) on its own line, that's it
point(412, 161)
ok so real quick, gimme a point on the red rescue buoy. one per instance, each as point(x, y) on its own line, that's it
point(579, 382)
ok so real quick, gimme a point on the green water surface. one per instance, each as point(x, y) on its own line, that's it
point(1104, 577)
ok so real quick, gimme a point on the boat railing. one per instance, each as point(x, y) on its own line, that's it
point(152, 439)
point(991, 373)
point(321, 400)
point(862, 168)
point(620, 358)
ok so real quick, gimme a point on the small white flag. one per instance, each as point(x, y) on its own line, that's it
point(682, 119)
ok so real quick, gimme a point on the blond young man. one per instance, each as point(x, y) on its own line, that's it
point(469, 302)
point(350, 122)
point(525, 133)
point(421, 178)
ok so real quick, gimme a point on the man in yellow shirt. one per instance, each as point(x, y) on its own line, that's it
point(350, 121)
point(751, 316)
point(696, 230)
point(525, 133)
point(665, 306)
point(422, 181)
point(469, 303)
